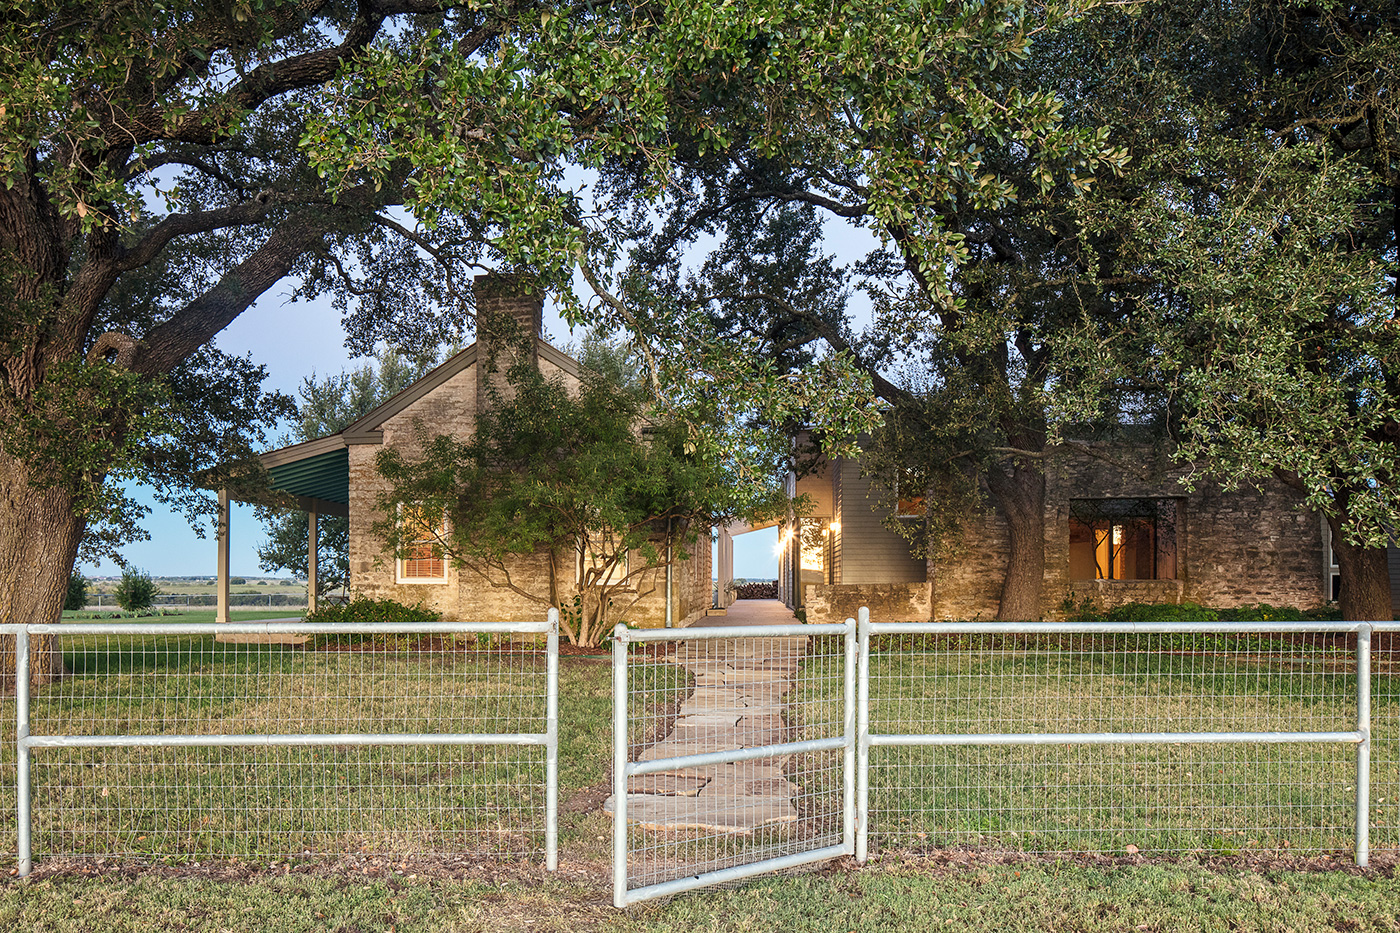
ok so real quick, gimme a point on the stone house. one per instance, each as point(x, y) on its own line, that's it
point(1118, 528)
point(337, 475)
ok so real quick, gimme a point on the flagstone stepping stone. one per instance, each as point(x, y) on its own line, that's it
point(712, 698)
point(777, 678)
point(666, 785)
point(709, 720)
point(671, 814)
point(669, 749)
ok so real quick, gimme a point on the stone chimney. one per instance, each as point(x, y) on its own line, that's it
point(509, 322)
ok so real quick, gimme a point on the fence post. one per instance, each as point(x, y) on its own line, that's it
point(848, 731)
point(551, 749)
point(22, 784)
point(1363, 748)
point(619, 673)
point(863, 737)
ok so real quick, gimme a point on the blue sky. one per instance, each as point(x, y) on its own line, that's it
point(294, 341)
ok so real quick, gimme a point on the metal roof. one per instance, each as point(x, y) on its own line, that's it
point(323, 476)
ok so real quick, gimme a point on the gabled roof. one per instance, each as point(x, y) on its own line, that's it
point(318, 471)
point(369, 429)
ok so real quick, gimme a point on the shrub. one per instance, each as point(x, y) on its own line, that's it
point(136, 591)
point(1161, 612)
point(1087, 611)
point(77, 592)
point(1263, 612)
point(363, 609)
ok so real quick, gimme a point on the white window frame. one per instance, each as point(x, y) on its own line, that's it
point(620, 572)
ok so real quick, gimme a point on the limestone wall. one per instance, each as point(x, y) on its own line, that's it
point(888, 602)
point(1248, 545)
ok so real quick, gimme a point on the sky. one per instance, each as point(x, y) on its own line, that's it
point(294, 341)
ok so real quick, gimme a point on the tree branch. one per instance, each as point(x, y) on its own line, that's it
point(197, 323)
point(265, 82)
point(883, 387)
point(613, 302)
point(249, 212)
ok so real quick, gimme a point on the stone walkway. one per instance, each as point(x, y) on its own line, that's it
point(738, 702)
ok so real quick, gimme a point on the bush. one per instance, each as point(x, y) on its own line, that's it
point(136, 591)
point(1087, 611)
point(363, 609)
point(1161, 612)
point(1263, 612)
point(77, 592)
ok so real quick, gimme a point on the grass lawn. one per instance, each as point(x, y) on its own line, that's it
point(903, 897)
point(354, 804)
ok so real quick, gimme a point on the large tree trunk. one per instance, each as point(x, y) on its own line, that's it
point(1020, 491)
point(1365, 579)
point(38, 542)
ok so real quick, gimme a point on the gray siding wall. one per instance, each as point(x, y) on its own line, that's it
point(836, 536)
point(870, 552)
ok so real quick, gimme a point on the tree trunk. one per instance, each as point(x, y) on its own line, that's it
point(1365, 579)
point(38, 543)
point(1020, 491)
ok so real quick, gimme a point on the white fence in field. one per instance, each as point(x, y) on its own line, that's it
point(184, 741)
point(736, 751)
point(1033, 737)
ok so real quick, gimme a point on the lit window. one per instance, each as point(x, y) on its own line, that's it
point(422, 560)
point(815, 541)
point(908, 496)
point(1123, 539)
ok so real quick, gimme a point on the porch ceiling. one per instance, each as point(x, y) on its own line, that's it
point(323, 476)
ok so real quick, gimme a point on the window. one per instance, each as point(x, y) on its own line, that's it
point(814, 538)
point(1123, 539)
point(422, 560)
point(908, 497)
point(594, 567)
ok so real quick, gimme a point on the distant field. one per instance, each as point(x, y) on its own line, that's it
point(201, 614)
point(279, 594)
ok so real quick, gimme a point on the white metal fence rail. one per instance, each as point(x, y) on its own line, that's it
point(161, 742)
point(715, 775)
point(1052, 737)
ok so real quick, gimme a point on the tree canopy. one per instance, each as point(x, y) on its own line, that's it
point(598, 480)
point(165, 165)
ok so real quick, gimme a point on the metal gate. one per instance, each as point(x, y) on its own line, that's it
point(733, 753)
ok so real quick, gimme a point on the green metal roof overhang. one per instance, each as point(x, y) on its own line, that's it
point(320, 481)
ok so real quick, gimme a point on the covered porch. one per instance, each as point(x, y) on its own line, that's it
point(313, 476)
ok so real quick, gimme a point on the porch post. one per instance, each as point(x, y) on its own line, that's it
point(311, 561)
point(221, 614)
point(726, 567)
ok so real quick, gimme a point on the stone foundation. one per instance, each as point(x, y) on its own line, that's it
point(1107, 594)
point(888, 602)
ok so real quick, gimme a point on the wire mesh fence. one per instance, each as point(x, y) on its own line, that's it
point(8, 841)
point(769, 710)
point(1111, 741)
point(165, 742)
